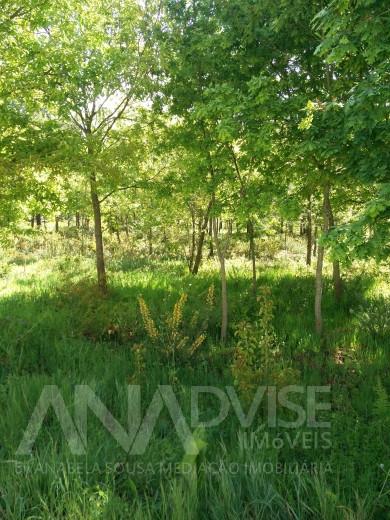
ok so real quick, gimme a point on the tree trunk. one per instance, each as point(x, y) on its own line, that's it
point(77, 219)
point(224, 302)
point(38, 219)
point(199, 253)
point(211, 248)
point(32, 221)
point(57, 224)
point(315, 240)
point(318, 291)
point(127, 227)
point(97, 215)
point(202, 234)
point(193, 242)
point(309, 235)
point(320, 265)
point(252, 254)
point(337, 281)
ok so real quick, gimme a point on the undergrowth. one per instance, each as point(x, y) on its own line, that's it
point(161, 326)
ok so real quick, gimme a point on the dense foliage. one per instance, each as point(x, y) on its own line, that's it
point(225, 166)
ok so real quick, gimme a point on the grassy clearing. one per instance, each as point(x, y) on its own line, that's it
point(56, 330)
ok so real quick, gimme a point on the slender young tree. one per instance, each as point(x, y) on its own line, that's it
point(90, 60)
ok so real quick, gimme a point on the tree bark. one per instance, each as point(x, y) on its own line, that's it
point(337, 281)
point(252, 254)
point(211, 248)
point(320, 264)
point(315, 241)
point(318, 291)
point(57, 224)
point(202, 234)
point(224, 300)
point(309, 234)
point(193, 242)
point(97, 215)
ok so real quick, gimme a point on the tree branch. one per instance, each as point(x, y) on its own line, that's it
point(122, 188)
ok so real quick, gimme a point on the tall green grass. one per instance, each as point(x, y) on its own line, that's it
point(57, 330)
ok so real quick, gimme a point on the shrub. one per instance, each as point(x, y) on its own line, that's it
point(258, 350)
point(176, 341)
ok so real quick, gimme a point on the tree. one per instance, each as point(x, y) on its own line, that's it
point(90, 60)
point(356, 43)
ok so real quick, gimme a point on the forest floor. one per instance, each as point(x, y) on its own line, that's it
point(160, 326)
